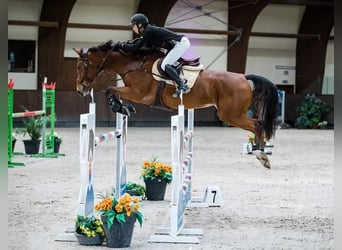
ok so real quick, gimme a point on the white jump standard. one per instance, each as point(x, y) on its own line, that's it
point(181, 158)
point(88, 142)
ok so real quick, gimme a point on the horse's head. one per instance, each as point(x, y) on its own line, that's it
point(90, 64)
point(86, 74)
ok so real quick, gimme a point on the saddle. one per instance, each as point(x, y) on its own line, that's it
point(178, 65)
point(187, 69)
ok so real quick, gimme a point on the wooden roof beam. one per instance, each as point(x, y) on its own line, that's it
point(34, 23)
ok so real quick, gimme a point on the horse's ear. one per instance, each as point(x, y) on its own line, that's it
point(78, 52)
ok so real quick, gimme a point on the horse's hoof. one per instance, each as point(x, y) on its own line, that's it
point(125, 110)
point(262, 157)
point(131, 108)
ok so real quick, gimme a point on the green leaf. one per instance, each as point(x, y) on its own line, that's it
point(140, 217)
point(120, 218)
point(110, 215)
point(137, 188)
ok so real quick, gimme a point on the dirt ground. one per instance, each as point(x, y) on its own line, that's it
point(290, 206)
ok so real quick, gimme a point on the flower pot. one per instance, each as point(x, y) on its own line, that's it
point(85, 240)
point(56, 146)
point(155, 189)
point(118, 235)
point(31, 146)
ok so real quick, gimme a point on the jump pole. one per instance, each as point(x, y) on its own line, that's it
point(181, 158)
point(121, 142)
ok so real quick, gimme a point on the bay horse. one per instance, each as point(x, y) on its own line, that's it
point(233, 94)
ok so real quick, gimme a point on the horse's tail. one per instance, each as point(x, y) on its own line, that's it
point(265, 101)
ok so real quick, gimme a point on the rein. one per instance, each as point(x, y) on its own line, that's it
point(104, 60)
point(140, 68)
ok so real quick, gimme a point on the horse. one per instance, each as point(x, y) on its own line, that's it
point(232, 94)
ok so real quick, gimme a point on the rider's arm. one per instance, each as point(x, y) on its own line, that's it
point(132, 47)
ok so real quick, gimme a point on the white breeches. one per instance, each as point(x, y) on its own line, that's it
point(174, 54)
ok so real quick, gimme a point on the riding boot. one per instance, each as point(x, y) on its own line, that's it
point(181, 84)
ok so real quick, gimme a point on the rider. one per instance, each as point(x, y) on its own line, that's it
point(153, 36)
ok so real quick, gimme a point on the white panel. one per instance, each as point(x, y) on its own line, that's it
point(329, 59)
point(212, 53)
point(22, 32)
point(104, 12)
point(184, 14)
point(24, 80)
point(263, 62)
point(272, 43)
point(24, 10)
point(279, 19)
point(328, 81)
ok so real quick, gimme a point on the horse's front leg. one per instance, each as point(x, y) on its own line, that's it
point(117, 105)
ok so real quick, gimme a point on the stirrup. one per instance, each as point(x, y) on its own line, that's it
point(178, 91)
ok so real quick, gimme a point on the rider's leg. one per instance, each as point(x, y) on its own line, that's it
point(174, 75)
point(174, 54)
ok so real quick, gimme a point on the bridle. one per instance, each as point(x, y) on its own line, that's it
point(86, 81)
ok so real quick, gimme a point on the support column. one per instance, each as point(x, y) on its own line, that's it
point(242, 17)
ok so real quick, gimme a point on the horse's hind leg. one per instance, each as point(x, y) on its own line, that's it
point(260, 142)
point(256, 128)
point(261, 155)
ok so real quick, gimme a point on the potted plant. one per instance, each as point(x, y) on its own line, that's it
point(118, 217)
point(57, 142)
point(89, 230)
point(312, 111)
point(33, 127)
point(135, 189)
point(156, 176)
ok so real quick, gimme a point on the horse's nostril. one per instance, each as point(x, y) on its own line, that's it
point(79, 93)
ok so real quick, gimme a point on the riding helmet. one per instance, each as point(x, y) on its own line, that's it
point(139, 18)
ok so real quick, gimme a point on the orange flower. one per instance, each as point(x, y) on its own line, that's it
point(128, 210)
point(118, 208)
point(105, 204)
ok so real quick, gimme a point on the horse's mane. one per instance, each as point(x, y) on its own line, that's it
point(109, 45)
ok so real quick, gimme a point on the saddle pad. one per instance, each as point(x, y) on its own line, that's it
point(190, 73)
